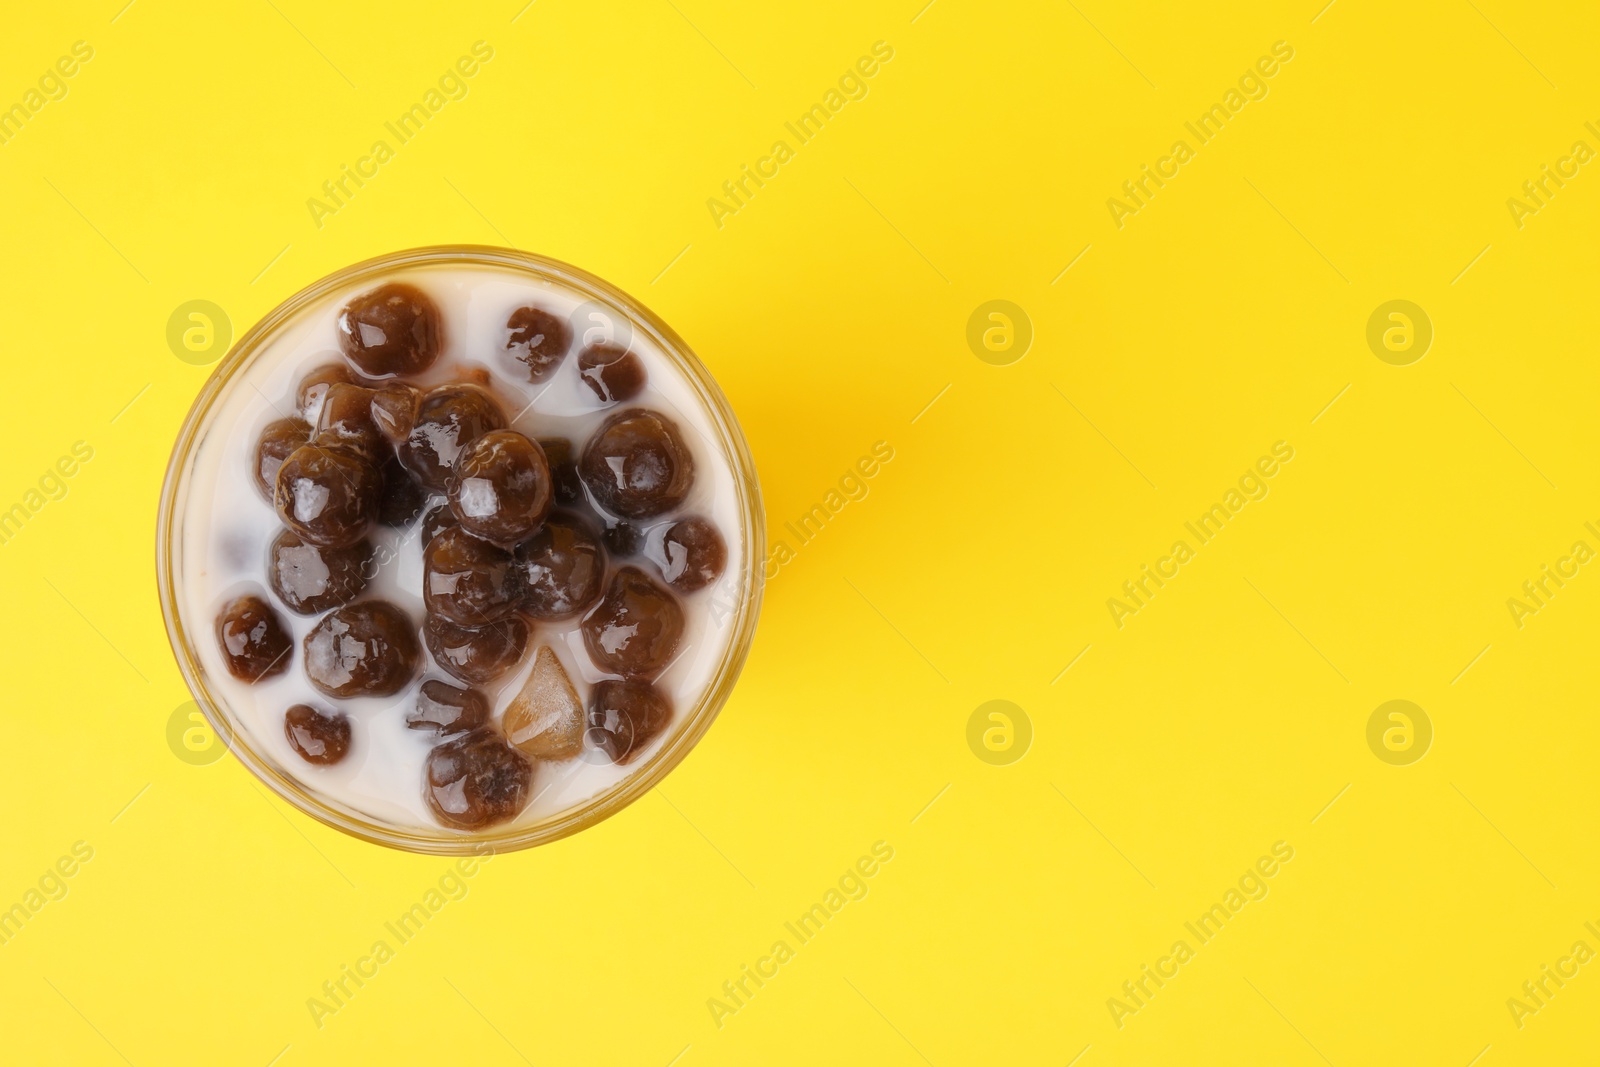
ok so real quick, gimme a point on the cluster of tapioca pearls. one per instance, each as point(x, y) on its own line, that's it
point(526, 530)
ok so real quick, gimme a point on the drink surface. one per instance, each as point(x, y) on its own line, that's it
point(225, 525)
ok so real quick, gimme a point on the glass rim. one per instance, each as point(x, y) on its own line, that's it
point(695, 721)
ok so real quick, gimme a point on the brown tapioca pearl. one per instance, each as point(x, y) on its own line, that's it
point(310, 579)
point(475, 655)
point(401, 499)
point(468, 580)
point(563, 470)
point(692, 554)
point(313, 388)
point(636, 465)
point(345, 421)
point(623, 539)
point(500, 489)
point(394, 411)
point(435, 522)
point(327, 496)
point(636, 627)
point(320, 737)
point(624, 717)
point(614, 374)
point(368, 648)
point(445, 709)
point(477, 780)
point(276, 443)
point(255, 643)
point(562, 568)
point(539, 340)
point(449, 419)
point(390, 331)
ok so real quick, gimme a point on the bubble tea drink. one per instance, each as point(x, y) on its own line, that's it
point(458, 545)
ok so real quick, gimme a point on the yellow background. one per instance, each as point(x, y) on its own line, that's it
point(1223, 717)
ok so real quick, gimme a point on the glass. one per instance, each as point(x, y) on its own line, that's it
point(741, 614)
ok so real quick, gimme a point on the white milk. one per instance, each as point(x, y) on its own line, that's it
point(225, 527)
